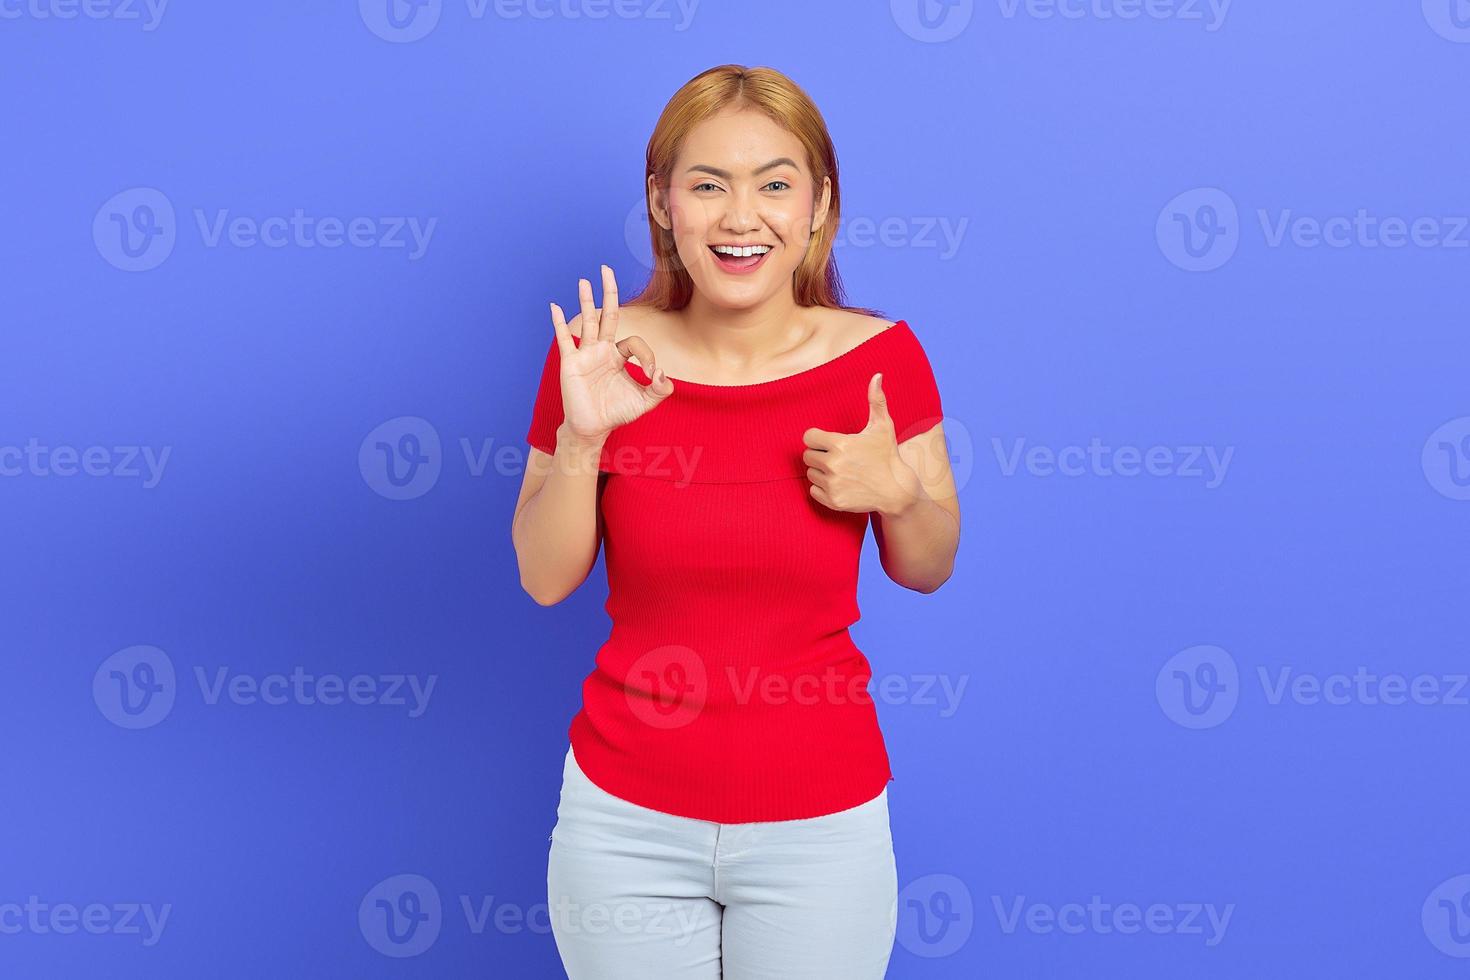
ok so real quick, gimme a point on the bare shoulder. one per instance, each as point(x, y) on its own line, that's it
point(847, 328)
point(648, 322)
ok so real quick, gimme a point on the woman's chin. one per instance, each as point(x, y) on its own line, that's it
point(735, 298)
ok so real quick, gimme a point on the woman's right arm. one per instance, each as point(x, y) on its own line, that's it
point(555, 528)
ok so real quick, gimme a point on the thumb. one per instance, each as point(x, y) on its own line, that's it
point(877, 402)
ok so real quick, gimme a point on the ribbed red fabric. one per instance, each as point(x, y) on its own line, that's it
point(729, 688)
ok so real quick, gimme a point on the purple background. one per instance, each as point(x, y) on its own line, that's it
point(1062, 312)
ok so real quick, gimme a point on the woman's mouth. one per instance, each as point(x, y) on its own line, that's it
point(740, 263)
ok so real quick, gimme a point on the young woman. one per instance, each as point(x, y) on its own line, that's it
point(727, 436)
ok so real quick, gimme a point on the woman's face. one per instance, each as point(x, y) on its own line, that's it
point(741, 180)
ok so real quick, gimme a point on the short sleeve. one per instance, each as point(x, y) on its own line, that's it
point(546, 413)
point(912, 393)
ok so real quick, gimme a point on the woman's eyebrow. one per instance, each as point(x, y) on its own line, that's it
point(725, 174)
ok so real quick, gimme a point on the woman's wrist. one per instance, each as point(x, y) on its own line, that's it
point(577, 454)
point(566, 434)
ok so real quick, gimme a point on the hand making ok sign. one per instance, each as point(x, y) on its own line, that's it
point(597, 395)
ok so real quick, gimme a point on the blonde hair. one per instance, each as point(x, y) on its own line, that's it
point(816, 281)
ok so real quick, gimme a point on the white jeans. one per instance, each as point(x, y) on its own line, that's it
point(638, 894)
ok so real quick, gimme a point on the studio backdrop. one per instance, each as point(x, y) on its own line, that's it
point(1192, 278)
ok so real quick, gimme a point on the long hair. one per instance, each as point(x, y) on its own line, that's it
point(816, 281)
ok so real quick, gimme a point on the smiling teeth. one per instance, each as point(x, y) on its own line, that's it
point(742, 252)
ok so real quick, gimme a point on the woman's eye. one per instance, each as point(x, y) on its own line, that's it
point(779, 185)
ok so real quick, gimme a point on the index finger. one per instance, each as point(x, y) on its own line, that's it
point(590, 329)
point(563, 335)
point(609, 327)
point(819, 438)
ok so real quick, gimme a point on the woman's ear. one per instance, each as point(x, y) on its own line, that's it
point(819, 213)
point(658, 204)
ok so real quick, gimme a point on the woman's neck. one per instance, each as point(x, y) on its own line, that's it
point(734, 340)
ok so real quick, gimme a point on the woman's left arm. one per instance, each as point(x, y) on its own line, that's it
point(908, 487)
point(919, 533)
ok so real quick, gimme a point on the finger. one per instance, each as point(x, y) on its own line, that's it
point(608, 322)
point(657, 389)
point(877, 402)
point(817, 477)
point(815, 458)
point(590, 330)
point(815, 438)
point(635, 346)
point(820, 496)
point(563, 335)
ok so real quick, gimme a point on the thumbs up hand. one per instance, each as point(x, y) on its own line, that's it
point(861, 472)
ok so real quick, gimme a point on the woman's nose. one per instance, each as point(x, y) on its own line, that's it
point(740, 218)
